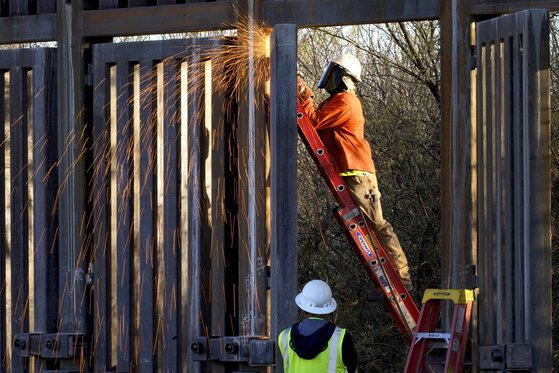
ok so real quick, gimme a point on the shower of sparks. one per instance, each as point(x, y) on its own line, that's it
point(232, 57)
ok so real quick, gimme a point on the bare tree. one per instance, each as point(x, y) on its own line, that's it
point(400, 96)
point(401, 100)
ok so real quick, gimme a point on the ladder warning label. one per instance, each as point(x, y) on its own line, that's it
point(409, 319)
point(381, 278)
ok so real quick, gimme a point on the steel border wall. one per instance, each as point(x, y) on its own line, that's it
point(73, 26)
point(198, 237)
point(29, 127)
point(514, 197)
point(148, 249)
point(197, 280)
point(73, 135)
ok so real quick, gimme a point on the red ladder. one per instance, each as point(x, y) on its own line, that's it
point(360, 235)
point(454, 342)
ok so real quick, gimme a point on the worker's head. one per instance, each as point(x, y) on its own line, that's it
point(342, 73)
point(316, 298)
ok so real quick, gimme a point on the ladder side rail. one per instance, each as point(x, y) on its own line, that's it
point(394, 277)
point(404, 314)
point(401, 306)
point(426, 324)
point(458, 338)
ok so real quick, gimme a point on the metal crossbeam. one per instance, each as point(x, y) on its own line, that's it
point(140, 20)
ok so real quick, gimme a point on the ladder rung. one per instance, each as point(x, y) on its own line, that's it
point(445, 336)
point(458, 296)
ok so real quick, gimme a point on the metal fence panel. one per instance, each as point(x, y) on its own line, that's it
point(18, 200)
point(514, 191)
point(168, 169)
point(45, 188)
point(150, 208)
point(168, 242)
point(99, 197)
point(283, 149)
point(197, 264)
point(29, 253)
point(144, 289)
point(122, 167)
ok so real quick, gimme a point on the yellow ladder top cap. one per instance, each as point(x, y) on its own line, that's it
point(458, 296)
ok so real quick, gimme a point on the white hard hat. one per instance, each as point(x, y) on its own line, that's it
point(351, 64)
point(346, 65)
point(316, 298)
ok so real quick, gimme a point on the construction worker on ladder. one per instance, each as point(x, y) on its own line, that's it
point(340, 124)
point(315, 344)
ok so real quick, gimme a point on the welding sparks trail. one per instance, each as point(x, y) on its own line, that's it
point(231, 64)
point(143, 162)
point(241, 61)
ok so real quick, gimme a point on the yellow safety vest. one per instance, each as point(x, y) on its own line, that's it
point(328, 361)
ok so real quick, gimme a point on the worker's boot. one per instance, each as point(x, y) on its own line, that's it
point(377, 295)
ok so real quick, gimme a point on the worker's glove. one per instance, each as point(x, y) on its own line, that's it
point(303, 90)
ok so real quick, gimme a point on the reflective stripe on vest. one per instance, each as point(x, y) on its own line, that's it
point(285, 345)
point(334, 340)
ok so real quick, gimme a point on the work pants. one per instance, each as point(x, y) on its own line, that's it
point(366, 194)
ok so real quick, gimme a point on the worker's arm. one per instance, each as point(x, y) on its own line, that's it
point(305, 96)
point(349, 354)
point(336, 112)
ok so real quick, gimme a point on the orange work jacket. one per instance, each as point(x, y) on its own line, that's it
point(340, 124)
